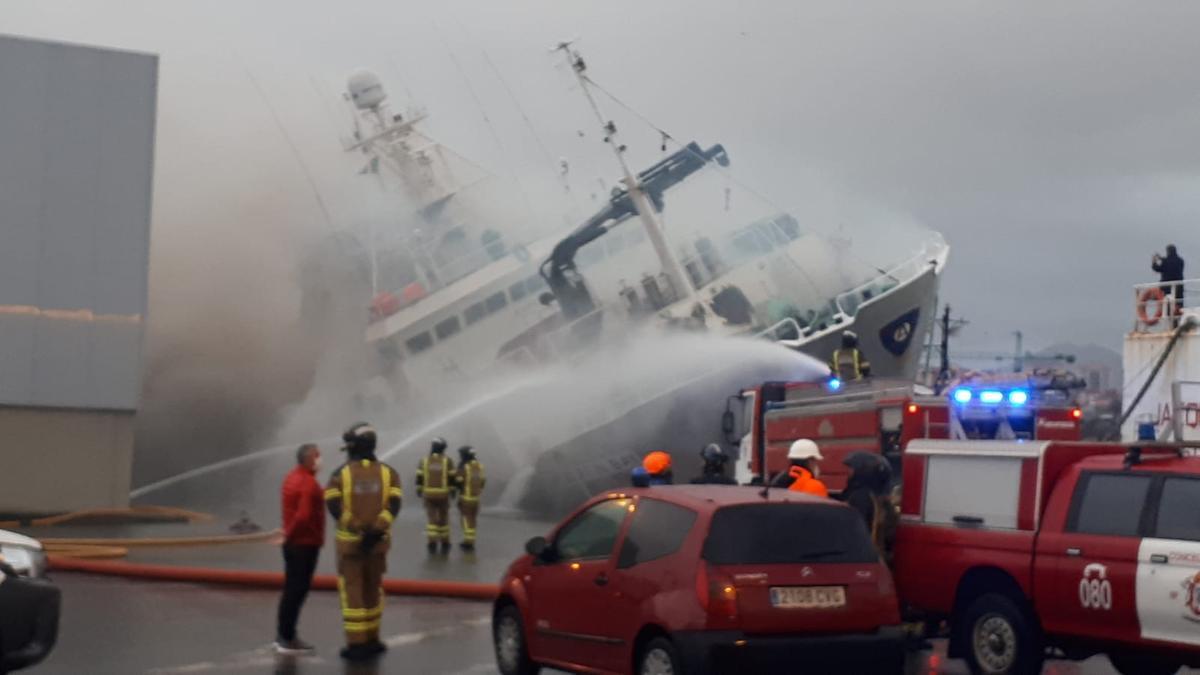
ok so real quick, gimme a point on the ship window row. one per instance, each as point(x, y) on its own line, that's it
point(475, 313)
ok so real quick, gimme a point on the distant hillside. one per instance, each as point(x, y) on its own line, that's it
point(1090, 357)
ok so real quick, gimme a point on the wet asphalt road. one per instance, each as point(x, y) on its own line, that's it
point(118, 626)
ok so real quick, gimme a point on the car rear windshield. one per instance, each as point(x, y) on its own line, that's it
point(766, 534)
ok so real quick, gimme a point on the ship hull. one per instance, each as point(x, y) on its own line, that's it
point(892, 330)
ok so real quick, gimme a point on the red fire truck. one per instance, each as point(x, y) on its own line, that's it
point(881, 416)
point(1054, 548)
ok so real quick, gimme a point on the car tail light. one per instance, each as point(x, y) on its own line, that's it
point(717, 594)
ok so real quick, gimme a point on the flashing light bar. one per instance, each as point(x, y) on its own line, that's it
point(834, 384)
point(991, 396)
point(1015, 397)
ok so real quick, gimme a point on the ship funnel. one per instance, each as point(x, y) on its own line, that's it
point(365, 90)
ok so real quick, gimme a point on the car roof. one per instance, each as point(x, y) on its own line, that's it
point(713, 497)
point(1160, 462)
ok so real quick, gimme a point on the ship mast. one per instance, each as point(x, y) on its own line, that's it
point(654, 229)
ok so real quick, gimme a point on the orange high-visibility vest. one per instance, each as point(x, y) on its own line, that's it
point(803, 481)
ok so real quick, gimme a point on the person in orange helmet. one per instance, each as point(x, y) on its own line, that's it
point(658, 467)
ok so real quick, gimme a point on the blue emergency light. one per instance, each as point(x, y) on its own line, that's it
point(991, 396)
point(834, 384)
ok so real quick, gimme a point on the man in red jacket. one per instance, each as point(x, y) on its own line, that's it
point(303, 535)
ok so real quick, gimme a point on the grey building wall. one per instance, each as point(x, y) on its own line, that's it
point(76, 163)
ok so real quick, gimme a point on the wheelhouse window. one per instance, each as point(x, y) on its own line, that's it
point(419, 343)
point(475, 313)
point(496, 302)
point(447, 328)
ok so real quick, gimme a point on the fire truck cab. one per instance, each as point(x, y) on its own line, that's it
point(882, 416)
point(1068, 549)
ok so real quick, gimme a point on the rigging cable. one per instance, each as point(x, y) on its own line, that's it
point(488, 120)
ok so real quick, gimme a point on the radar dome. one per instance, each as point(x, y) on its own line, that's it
point(365, 90)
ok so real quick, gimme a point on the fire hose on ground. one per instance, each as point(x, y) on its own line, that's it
point(95, 555)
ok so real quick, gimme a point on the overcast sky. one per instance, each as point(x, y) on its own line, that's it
point(1056, 145)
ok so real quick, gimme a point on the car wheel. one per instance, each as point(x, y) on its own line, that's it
point(508, 638)
point(1001, 639)
point(658, 657)
point(1141, 664)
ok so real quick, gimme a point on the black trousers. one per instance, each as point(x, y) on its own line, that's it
point(299, 564)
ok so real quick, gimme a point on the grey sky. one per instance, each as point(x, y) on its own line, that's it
point(1055, 144)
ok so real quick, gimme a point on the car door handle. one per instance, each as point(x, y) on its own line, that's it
point(601, 579)
point(967, 520)
point(1158, 559)
point(1074, 552)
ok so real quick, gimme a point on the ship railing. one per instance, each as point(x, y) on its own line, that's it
point(776, 331)
point(1158, 305)
point(933, 253)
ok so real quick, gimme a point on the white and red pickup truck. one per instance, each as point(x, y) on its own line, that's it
point(1043, 548)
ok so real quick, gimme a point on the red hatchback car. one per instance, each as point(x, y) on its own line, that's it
point(701, 579)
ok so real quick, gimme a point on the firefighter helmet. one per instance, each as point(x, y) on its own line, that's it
point(657, 462)
point(360, 438)
point(804, 449)
point(713, 454)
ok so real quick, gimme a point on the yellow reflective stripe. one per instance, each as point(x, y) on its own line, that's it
point(347, 485)
point(360, 626)
point(342, 592)
point(387, 515)
point(385, 478)
point(346, 535)
point(363, 614)
point(395, 492)
point(333, 493)
point(469, 500)
point(435, 492)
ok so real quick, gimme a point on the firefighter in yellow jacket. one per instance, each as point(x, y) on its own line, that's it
point(435, 482)
point(848, 362)
point(470, 479)
point(363, 496)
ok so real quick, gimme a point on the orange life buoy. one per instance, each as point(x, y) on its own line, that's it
point(1154, 295)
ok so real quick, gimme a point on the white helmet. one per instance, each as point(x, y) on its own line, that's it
point(804, 449)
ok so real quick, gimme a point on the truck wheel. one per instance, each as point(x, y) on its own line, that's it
point(508, 637)
point(1142, 664)
point(1001, 639)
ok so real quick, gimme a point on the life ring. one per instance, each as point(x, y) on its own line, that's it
point(1155, 295)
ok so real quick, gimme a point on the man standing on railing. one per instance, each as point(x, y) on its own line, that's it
point(1171, 269)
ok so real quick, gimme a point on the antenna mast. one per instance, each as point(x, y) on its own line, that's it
point(654, 229)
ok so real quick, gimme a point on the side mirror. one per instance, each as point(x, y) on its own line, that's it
point(727, 423)
point(538, 547)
